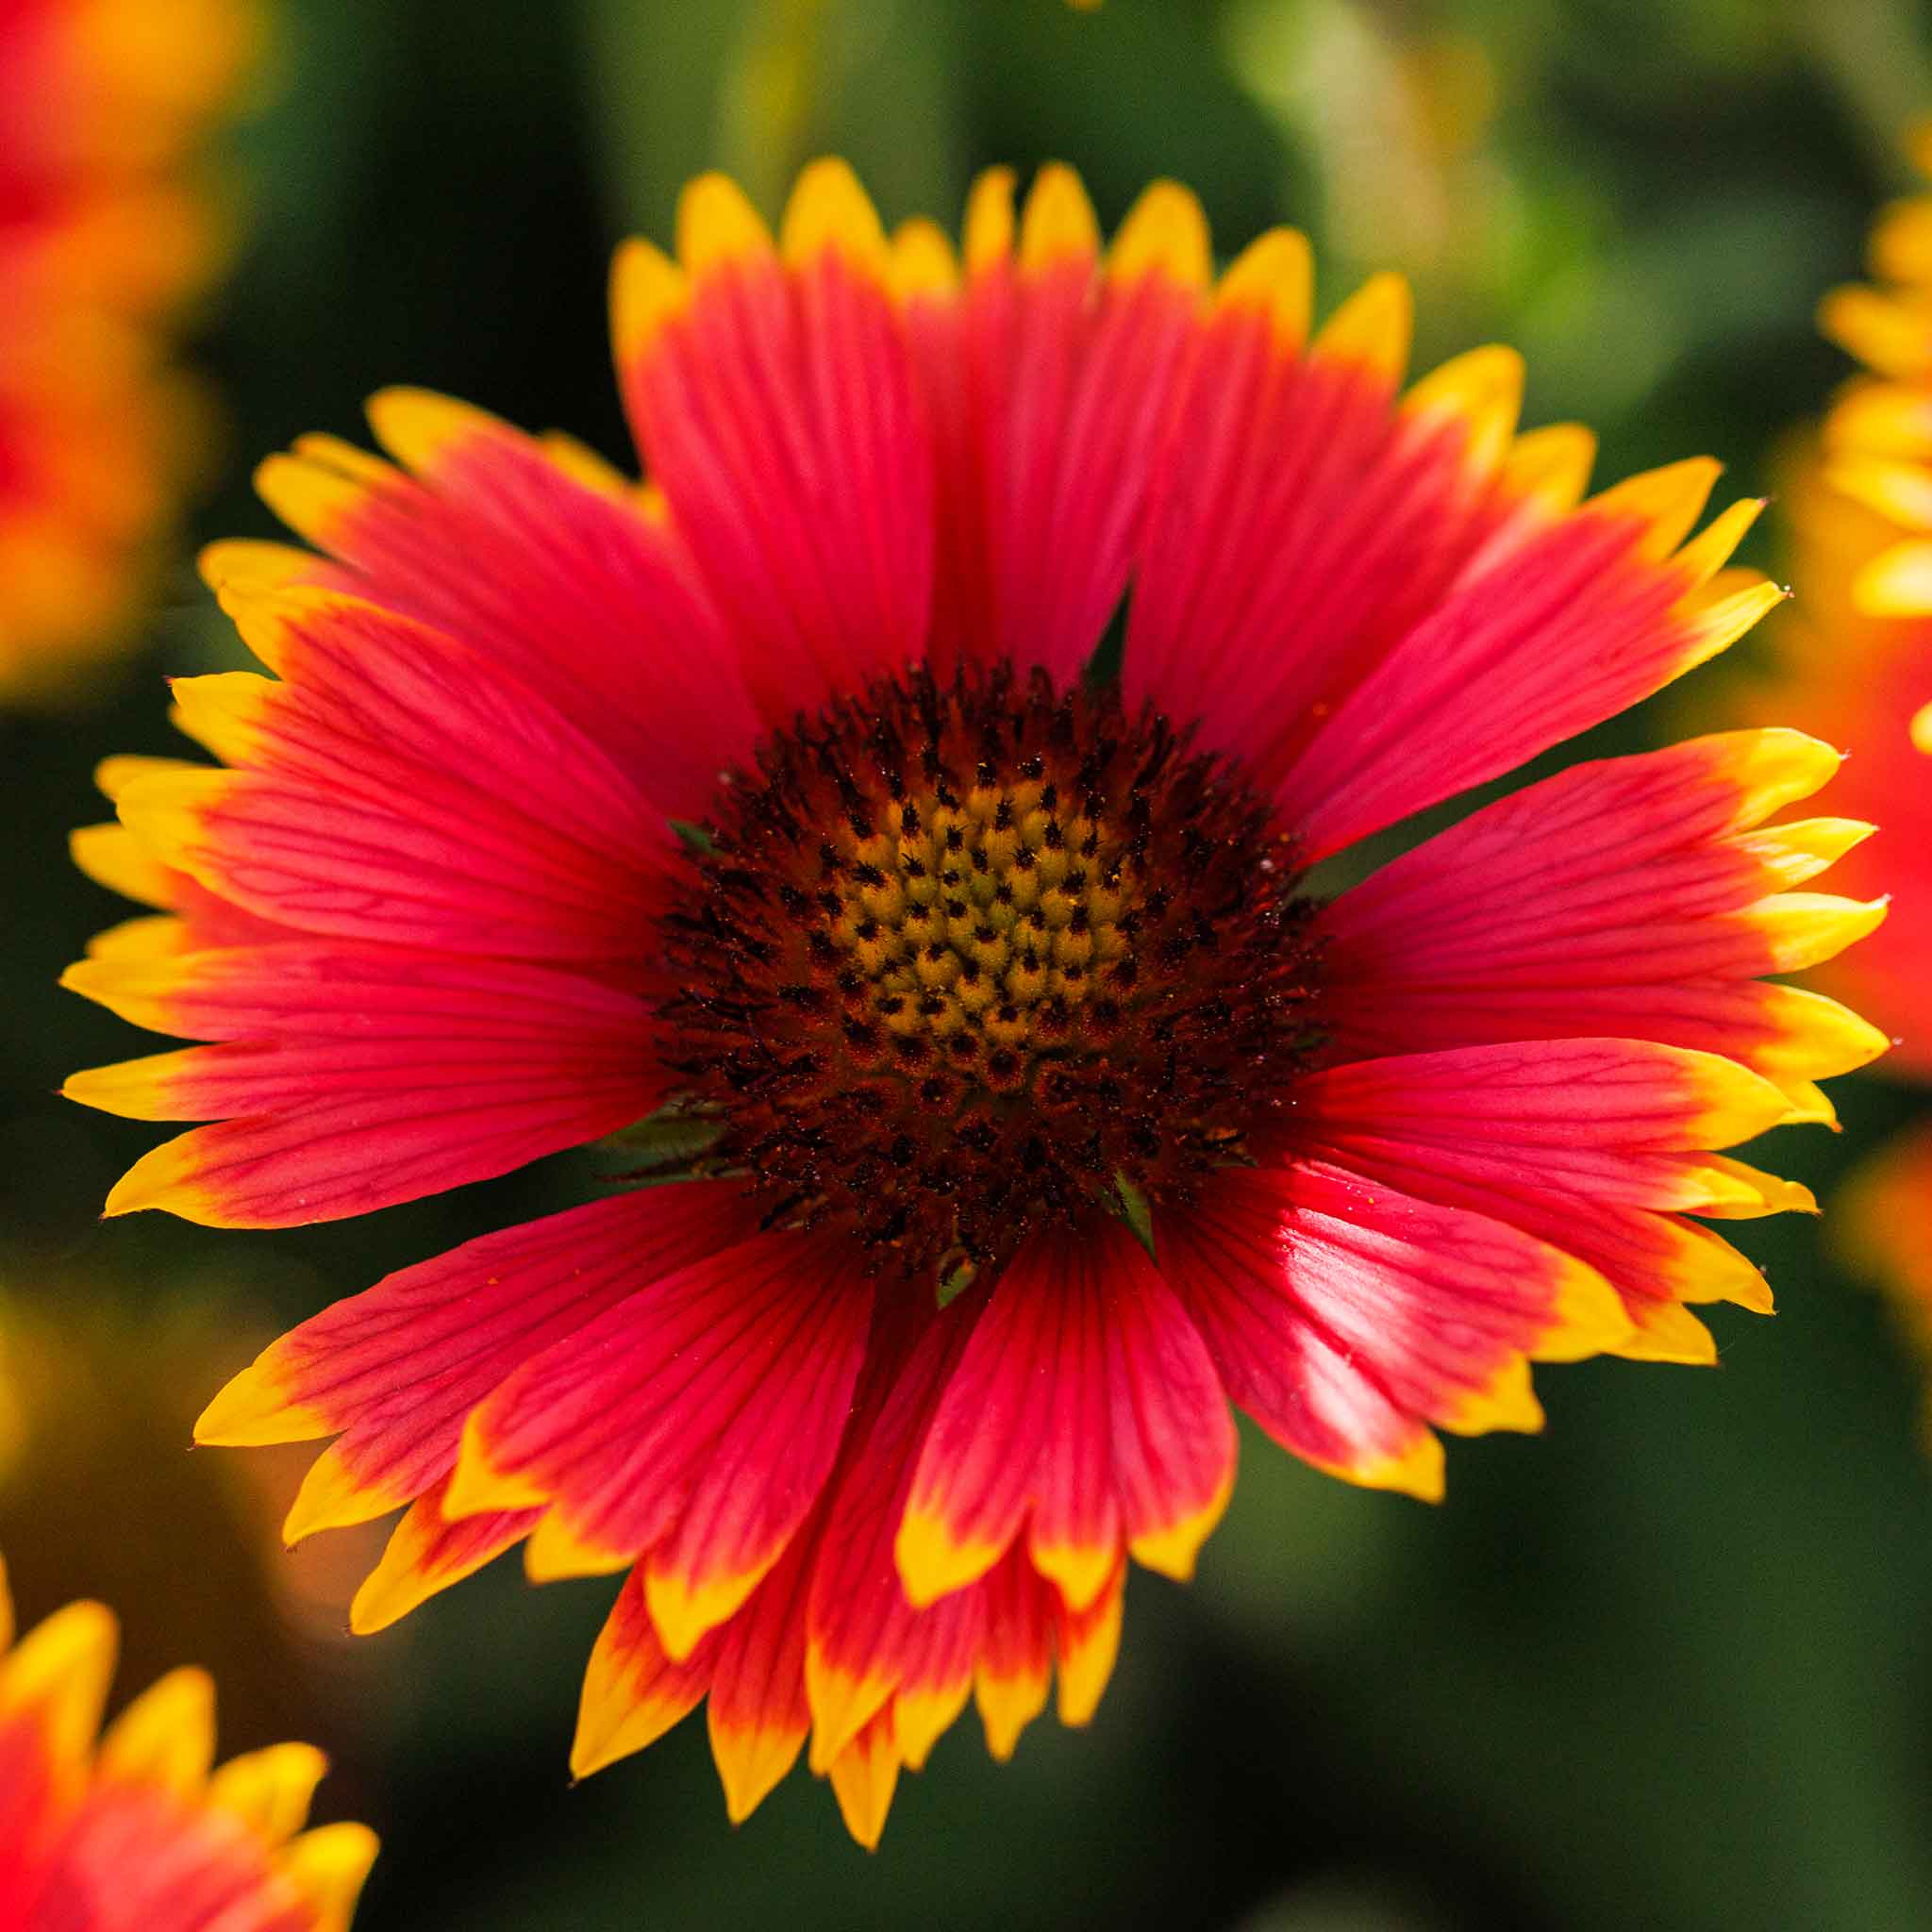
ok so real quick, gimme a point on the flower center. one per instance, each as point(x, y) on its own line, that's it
point(966, 957)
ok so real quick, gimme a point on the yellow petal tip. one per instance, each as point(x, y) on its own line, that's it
point(718, 227)
point(1058, 223)
point(1165, 233)
point(829, 212)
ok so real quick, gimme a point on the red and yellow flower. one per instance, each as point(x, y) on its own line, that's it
point(909, 795)
point(135, 1832)
point(1856, 658)
point(104, 229)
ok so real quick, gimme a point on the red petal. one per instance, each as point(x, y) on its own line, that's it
point(697, 1420)
point(1344, 1316)
point(1589, 1144)
point(427, 1551)
point(1050, 385)
point(864, 1637)
point(1568, 630)
point(399, 1366)
point(353, 1077)
point(1083, 1402)
point(570, 588)
point(774, 402)
point(633, 1692)
point(759, 1715)
point(398, 786)
point(1301, 526)
point(1627, 896)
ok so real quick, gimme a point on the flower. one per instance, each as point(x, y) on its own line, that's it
point(137, 1831)
point(104, 231)
point(1017, 1098)
point(1856, 659)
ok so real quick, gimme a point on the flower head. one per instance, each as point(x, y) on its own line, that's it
point(104, 228)
point(910, 799)
point(136, 1833)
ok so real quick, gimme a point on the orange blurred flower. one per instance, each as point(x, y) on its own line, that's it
point(1853, 658)
point(106, 225)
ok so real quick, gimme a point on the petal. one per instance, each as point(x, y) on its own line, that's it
point(864, 1776)
point(1014, 1668)
point(132, 1856)
point(1086, 1641)
point(695, 1420)
point(270, 1791)
point(633, 1692)
point(1048, 377)
point(165, 1738)
point(1632, 895)
point(57, 1677)
point(1302, 523)
point(1573, 1099)
point(752, 1667)
point(935, 1676)
point(302, 990)
point(1889, 330)
point(1085, 1407)
point(772, 397)
point(397, 788)
point(112, 856)
point(1567, 629)
point(329, 1867)
point(1591, 1145)
point(863, 1636)
point(1346, 1315)
point(32, 1803)
point(758, 1714)
point(399, 1367)
point(566, 583)
point(349, 1078)
point(427, 1552)
point(1025, 1625)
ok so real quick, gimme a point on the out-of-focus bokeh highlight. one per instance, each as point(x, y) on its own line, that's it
point(112, 216)
point(1670, 1666)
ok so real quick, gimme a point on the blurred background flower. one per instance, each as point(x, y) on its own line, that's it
point(1673, 1663)
point(136, 1826)
point(1853, 652)
point(110, 218)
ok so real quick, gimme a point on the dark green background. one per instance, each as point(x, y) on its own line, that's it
point(1666, 1666)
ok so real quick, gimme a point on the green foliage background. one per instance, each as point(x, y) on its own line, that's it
point(1669, 1665)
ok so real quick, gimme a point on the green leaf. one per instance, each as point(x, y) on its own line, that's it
point(1136, 1212)
point(694, 836)
point(666, 1137)
point(956, 1284)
